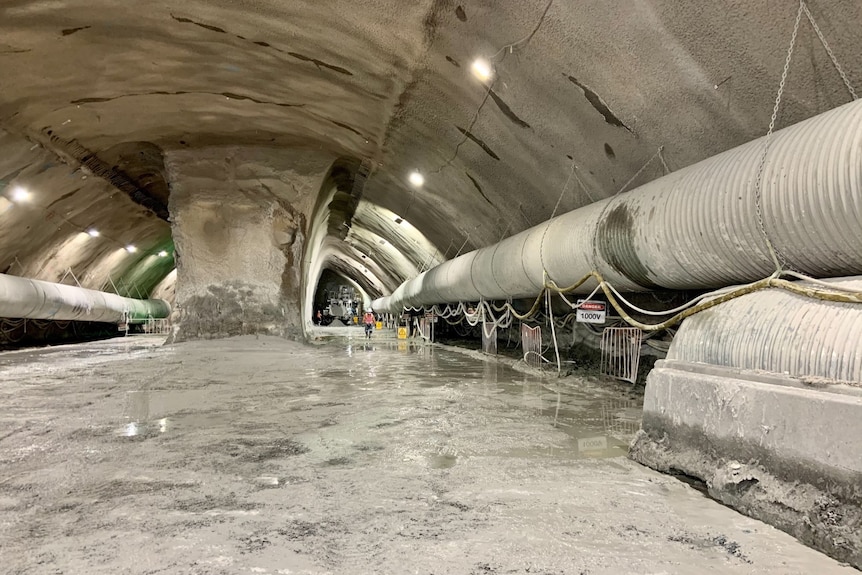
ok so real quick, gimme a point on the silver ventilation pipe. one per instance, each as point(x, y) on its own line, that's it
point(697, 228)
point(35, 299)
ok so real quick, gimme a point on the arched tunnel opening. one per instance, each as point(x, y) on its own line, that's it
point(545, 287)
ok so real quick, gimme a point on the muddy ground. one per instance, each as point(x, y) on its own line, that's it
point(259, 455)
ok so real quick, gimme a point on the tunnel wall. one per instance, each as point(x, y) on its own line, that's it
point(761, 398)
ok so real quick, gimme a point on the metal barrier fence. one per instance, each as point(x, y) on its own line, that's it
point(531, 342)
point(489, 337)
point(426, 328)
point(157, 326)
point(621, 352)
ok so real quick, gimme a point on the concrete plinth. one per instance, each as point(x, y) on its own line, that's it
point(770, 446)
point(239, 225)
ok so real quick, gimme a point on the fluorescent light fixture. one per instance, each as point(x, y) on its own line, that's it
point(482, 69)
point(19, 194)
point(416, 179)
point(93, 233)
point(131, 249)
point(163, 254)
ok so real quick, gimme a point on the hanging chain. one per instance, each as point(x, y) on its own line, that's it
point(758, 182)
point(830, 52)
point(644, 167)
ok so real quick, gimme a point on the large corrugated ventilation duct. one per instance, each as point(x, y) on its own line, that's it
point(696, 228)
point(35, 299)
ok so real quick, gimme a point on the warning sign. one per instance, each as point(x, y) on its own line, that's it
point(402, 333)
point(591, 311)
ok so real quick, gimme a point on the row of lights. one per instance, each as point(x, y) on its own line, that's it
point(20, 195)
point(482, 69)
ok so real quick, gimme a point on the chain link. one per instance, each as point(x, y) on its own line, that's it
point(644, 167)
point(830, 52)
point(758, 182)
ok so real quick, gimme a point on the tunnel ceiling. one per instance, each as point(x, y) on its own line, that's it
point(584, 93)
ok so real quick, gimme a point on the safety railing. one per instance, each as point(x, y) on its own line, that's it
point(489, 337)
point(157, 326)
point(531, 342)
point(621, 352)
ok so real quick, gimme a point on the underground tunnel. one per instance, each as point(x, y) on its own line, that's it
point(431, 287)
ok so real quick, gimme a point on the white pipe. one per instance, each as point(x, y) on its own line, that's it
point(35, 299)
point(693, 229)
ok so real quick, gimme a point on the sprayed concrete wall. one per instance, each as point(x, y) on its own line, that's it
point(239, 225)
point(761, 398)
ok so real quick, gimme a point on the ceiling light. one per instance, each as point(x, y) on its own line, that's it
point(482, 69)
point(163, 254)
point(93, 233)
point(416, 179)
point(131, 249)
point(19, 194)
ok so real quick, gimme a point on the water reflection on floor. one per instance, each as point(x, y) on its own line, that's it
point(598, 414)
point(259, 455)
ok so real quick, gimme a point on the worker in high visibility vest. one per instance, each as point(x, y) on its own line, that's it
point(368, 319)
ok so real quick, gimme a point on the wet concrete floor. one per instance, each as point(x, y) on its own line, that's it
point(259, 455)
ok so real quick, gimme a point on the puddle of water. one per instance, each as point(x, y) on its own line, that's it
point(442, 461)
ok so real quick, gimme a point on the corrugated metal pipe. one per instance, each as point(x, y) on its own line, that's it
point(35, 299)
point(696, 228)
point(778, 332)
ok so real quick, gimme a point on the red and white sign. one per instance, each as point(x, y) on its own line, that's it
point(590, 311)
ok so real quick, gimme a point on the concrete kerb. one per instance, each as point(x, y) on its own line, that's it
point(772, 447)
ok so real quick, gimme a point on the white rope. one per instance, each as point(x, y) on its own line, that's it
point(575, 305)
point(680, 308)
point(816, 281)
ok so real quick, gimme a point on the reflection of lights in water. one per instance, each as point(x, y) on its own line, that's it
point(135, 428)
point(621, 417)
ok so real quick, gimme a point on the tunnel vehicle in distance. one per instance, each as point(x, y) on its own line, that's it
point(343, 305)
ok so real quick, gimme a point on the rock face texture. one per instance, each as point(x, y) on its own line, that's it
point(239, 220)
